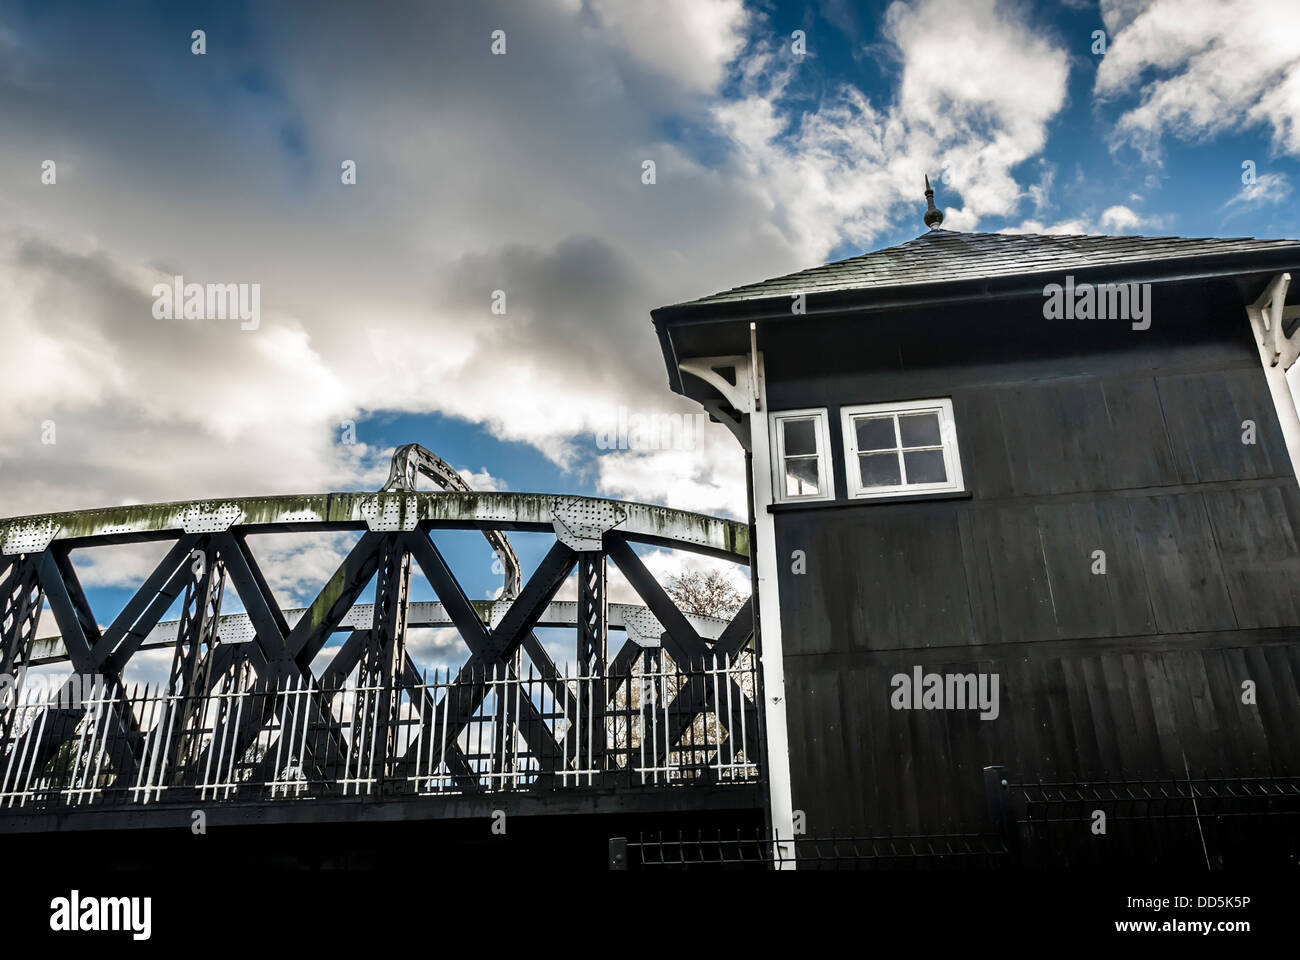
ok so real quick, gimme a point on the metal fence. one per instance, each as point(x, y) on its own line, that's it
point(1202, 821)
point(1208, 821)
point(755, 849)
point(495, 730)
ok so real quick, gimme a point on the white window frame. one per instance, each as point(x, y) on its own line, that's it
point(825, 471)
point(947, 437)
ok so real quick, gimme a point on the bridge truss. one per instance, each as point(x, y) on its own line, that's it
point(244, 718)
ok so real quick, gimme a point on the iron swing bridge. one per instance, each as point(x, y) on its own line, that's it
point(249, 723)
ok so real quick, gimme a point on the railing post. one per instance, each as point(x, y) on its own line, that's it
point(1002, 815)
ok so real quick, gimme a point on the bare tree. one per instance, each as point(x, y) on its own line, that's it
point(706, 594)
point(709, 594)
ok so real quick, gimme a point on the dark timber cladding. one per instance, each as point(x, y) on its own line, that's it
point(1075, 436)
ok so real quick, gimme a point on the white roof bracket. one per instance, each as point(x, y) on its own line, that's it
point(1268, 316)
point(738, 394)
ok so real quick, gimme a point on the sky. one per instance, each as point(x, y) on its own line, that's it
point(782, 134)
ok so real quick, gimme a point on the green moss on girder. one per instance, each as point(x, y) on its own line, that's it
point(329, 595)
point(269, 509)
point(347, 508)
point(740, 539)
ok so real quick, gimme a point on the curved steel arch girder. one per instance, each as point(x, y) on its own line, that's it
point(410, 461)
point(379, 512)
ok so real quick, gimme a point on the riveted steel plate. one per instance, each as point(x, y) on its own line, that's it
point(32, 536)
point(390, 513)
point(209, 517)
point(643, 628)
point(580, 523)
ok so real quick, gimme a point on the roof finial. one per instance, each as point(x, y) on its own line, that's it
point(933, 215)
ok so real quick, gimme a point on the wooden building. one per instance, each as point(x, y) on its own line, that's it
point(1019, 502)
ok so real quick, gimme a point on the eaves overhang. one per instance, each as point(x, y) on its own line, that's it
point(1250, 270)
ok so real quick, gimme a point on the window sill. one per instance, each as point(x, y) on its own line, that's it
point(870, 501)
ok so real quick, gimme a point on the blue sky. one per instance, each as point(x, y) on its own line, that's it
point(522, 173)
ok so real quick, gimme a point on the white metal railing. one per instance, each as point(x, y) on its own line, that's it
point(496, 730)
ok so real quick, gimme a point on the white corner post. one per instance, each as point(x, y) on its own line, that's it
point(748, 396)
point(1277, 353)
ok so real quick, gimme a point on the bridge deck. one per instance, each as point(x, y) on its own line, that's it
point(602, 802)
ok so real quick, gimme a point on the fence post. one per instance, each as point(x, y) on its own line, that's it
point(1002, 813)
point(618, 853)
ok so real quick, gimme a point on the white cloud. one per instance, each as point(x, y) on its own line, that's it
point(1117, 219)
point(298, 565)
point(121, 565)
point(707, 479)
point(482, 480)
point(146, 410)
point(687, 41)
point(1041, 192)
point(969, 110)
point(475, 173)
point(1073, 227)
point(149, 667)
point(1267, 188)
point(1201, 68)
point(436, 647)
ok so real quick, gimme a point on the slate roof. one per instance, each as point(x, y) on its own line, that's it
point(949, 255)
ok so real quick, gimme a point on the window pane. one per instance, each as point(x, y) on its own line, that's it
point(875, 433)
point(800, 437)
point(925, 466)
point(801, 478)
point(879, 469)
point(919, 430)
